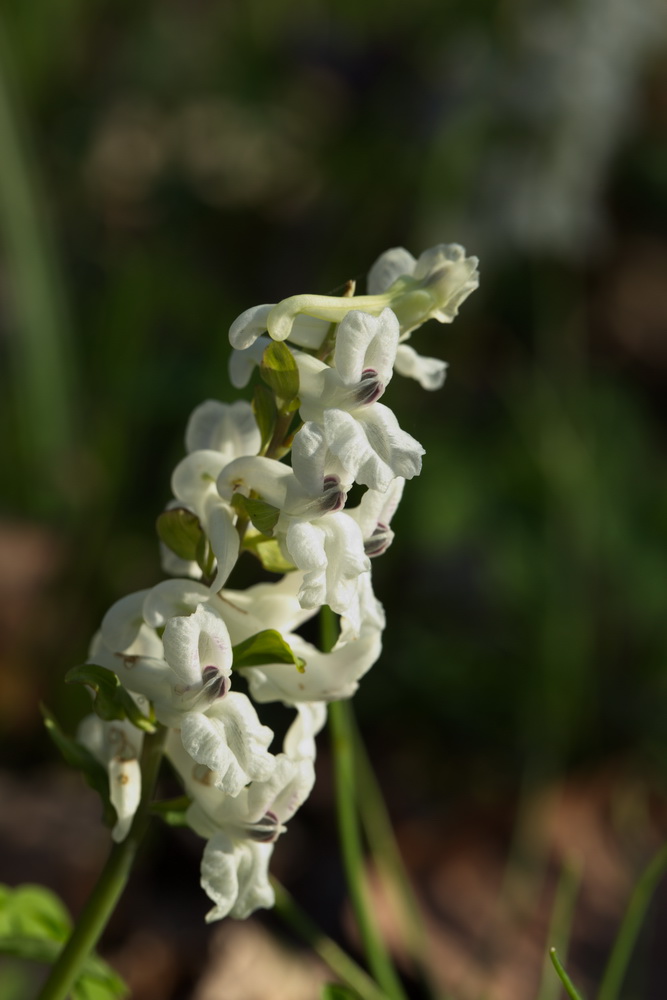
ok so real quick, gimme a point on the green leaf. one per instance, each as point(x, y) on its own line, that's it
point(172, 811)
point(278, 369)
point(266, 413)
point(80, 758)
point(180, 531)
point(268, 551)
point(34, 925)
point(34, 911)
point(264, 516)
point(111, 700)
point(265, 647)
point(334, 991)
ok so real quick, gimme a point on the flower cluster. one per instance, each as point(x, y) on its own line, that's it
point(184, 653)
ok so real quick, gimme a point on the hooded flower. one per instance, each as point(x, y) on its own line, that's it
point(117, 746)
point(186, 676)
point(432, 287)
point(318, 538)
point(242, 829)
point(343, 420)
point(216, 434)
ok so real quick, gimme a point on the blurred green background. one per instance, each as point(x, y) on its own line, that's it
point(165, 165)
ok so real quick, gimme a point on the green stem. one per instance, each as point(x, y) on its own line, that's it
point(630, 926)
point(342, 740)
point(568, 985)
point(102, 901)
point(560, 927)
point(386, 853)
point(338, 961)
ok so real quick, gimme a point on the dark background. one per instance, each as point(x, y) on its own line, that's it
point(165, 165)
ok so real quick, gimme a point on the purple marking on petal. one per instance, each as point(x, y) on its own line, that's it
point(333, 497)
point(266, 830)
point(379, 541)
point(370, 388)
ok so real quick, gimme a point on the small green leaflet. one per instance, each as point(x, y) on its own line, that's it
point(268, 552)
point(34, 925)
point(265, 647)
point(278, 369)
point(81, 759)
point(180, 531)
point(264, 516)
point(266, 413)
point(111, 700)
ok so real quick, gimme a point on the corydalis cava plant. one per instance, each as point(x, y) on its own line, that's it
point(171, 656)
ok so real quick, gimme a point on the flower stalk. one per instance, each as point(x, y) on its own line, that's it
point(110, 885)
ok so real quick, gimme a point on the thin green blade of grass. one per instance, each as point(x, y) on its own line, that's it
point(42, 359)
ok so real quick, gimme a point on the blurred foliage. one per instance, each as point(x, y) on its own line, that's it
point(188, 160)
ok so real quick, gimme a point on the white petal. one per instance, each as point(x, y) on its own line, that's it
point(313, 375)
point(219, 523)
point(449, 276)
point(330, 551)
point(234, 874)
point(299, 742)
point(195, 475)
point(243, 363)
point(231, 741)
point(230, 429)
point(194, 642)
point(364, 341)
point(123, 621)
point(377, 507)
point(152, 678)
point(388, 268)
point(307, 331)
point(347, 439)
point(399, 450)
point(264, 475)
point(247, 327)
point(171, 564)
point(327, 676)
point(173, 597)
point(429, 372)
point(265, 605)
point(124, 793)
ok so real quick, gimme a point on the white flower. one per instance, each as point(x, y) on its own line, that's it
point(230, 740)
point(330, 553)
point(216, 434)
point(229, 428)
point(117, 746)
point(306, 331)
point(242, 829)
point(432, 287)
point(429, 372)
point(374, 515)
point(186, 677)
point(186, 670)
point(326, 676)
point(344, 421)
point(320, 540)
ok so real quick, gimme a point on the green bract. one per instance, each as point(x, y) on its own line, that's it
point(181, 531)
point(111, 700)
point(265, 647)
